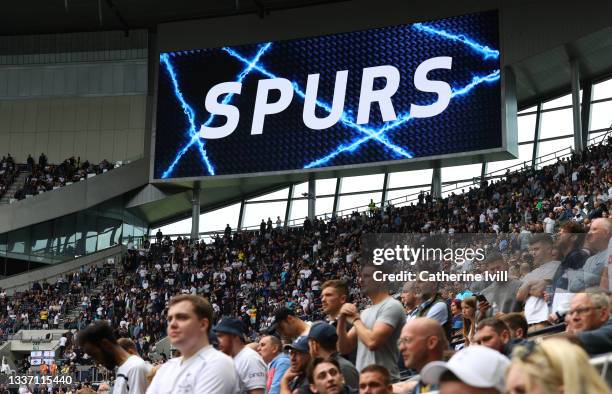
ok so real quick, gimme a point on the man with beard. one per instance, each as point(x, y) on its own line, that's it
point(295, 380)
point(376, 329)
point(98, 340)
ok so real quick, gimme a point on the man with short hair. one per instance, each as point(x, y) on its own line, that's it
point(98, 340)
point(334, 294)
point(501, 294)
point(201, 368)
point(249, 365)
point(473, 370)
point(534, 283)
point(517, 324)
point(287, 324)
point(495, 334)
point(422, 341)
point(271, 350)
point(375, 379)
point(409, 298)
point(375, 330)
point(322, 340)
point(596, 242)
point(325, 377)
point(589, 321)
point(295, 379)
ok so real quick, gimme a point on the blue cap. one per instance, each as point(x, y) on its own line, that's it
point(230, 325)
point(323, 332)
point(300, 344)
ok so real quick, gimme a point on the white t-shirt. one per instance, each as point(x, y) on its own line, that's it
point(62, 341)
point(251, 370)
point(549, 225)
point(131, 376)
point(207, 372)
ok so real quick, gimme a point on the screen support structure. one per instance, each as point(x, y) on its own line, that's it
point(575, 68)
point(195, 212)
point(312, 195)
point(436, 182)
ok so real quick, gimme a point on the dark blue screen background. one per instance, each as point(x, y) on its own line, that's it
point(471, 122)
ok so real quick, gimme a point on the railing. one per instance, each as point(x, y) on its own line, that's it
point(539, 162)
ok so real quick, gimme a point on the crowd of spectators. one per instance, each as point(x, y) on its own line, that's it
point(8, 170)
point(547, 228)
point(44, 176)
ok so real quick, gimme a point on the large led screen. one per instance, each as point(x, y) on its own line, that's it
point(388, 94)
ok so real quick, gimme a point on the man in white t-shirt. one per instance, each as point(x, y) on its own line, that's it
point(535, 282)
point(98, 340)
point(249, 365)
point(201, 369)
point(549, 224)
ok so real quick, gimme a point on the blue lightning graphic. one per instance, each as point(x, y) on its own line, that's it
point(482, 49)
point(193, 133)
point(351, 147)
point(344, 118)
point(165, 60)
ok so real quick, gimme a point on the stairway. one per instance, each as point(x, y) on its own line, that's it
point(17, 183)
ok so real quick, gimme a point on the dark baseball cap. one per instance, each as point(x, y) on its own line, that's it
point(230, 325)
point(279, 315)
point(323, 332)
point(300, 345)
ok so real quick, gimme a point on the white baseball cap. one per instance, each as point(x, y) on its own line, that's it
point(476, 366)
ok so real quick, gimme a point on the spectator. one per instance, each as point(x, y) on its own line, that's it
point(249, 365)
point(334, 294)
point(422, 341)
point(596, 243)
point(553, 366)
point(433, 305)
point(271, 350)
point(325, 377)
point(501, 295)
point(410, 301)
point(569, 243)
point(589, 321)
point(495, 334)
point(517, 324)
point(376, 330)
point(208, 370)
point(322, 340)
point(474, 370)
point(296, 377)
point(457, 317)
point(468, 309)
point(288, 324)
point(375, 379)
point(98, 340)
point(534, 283)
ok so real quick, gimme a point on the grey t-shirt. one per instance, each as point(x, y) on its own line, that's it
point(391, 312)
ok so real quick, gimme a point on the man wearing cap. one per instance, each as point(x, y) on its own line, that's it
point(287, 324)
point(249, 365)
point(271, 350)
point(201, 368)
point(322, 341)
point(473, 370)
point(295, 380)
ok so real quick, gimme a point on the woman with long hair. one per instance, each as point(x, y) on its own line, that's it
point(468, 310)
point(554, 366)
